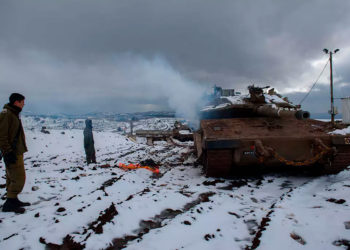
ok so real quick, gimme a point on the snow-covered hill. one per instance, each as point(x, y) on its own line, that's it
point(102, 206)
point(99, 124)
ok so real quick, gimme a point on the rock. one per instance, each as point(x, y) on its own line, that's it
point(61, 209)
point(149, 162)
point(34, 188)
point(254, 200)
point(298, 238)
point(340, 201)
point(207, 237)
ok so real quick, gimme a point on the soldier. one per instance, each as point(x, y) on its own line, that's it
point(89, 143)
point(12, 146)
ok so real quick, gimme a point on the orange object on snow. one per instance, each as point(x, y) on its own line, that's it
point(136, 166)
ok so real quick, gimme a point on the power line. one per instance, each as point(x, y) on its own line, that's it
point(314, 83)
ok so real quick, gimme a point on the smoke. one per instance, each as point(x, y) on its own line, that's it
point(120, 83)
point(183, 96)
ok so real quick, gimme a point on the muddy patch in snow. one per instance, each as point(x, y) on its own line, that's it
point(340, 201)
point(149, 162)
point(108, 183)
point(94, 227)
point(343, 242)
point(68, 243)
point(212, 183)
point(298, 238)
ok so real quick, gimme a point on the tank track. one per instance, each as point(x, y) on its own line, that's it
point(340, 162)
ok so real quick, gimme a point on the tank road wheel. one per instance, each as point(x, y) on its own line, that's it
point(203, 160)
point(340, 162)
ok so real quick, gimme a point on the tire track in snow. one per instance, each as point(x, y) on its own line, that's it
point(267, 218)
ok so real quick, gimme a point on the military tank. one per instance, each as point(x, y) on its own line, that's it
point(262, 129)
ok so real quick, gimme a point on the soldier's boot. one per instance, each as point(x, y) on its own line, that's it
point(93, 160)
point(21, 203)
point(88, 160)
point(11, 205)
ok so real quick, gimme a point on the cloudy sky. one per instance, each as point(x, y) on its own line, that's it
point(81, 56)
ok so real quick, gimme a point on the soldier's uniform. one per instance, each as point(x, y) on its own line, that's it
point(89, 143)
point(10, 128)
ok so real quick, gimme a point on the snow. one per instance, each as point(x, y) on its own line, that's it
point(185, 132)
point(345, 131)
point(274, 99)
point(210, 107)
point(236, 99)
point(179, 209)
point(308, 208)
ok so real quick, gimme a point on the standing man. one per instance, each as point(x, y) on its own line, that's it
point(13, 146)
point(89, 142)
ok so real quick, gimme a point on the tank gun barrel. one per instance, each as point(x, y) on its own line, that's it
point(269, 111)
point(302, 115)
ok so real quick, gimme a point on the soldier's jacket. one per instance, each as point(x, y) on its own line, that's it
point(88, 137)
point(9, 125)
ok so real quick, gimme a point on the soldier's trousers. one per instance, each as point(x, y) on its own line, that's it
point(15, 177)
point(90, 155)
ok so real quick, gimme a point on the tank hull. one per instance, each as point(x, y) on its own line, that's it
point(227, 146)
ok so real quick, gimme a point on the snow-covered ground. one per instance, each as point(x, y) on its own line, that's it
point(101, 206)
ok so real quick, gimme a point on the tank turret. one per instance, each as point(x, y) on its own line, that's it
point(256, 104)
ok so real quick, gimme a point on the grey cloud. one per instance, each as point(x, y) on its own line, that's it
point(84, 43)
point(319, 100)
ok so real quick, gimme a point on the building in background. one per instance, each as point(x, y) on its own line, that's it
point(346, 109)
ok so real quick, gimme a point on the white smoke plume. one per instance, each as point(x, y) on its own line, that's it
point(184, 96)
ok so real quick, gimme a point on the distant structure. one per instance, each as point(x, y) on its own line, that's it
point(333, 110)
point(346, 109)
point(218, 91)
point(132, 120)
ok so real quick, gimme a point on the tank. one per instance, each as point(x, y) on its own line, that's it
point(262, 129)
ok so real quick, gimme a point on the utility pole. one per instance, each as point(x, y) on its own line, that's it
point(332, 111)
